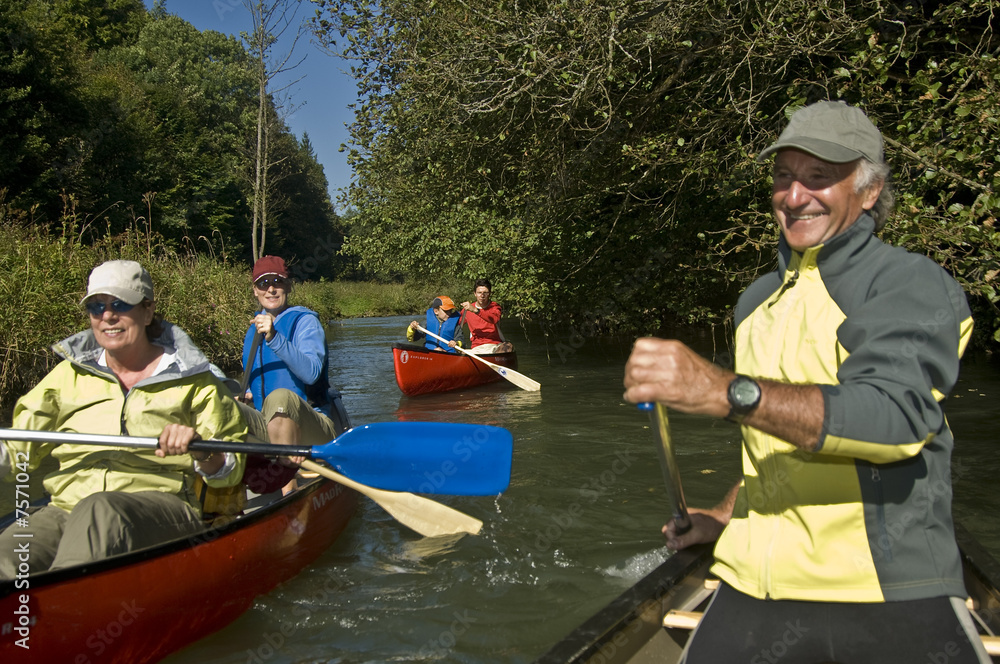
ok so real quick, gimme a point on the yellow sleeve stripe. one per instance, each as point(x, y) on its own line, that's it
point(873, 452)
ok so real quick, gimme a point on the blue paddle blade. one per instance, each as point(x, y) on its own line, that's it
point(424, 457)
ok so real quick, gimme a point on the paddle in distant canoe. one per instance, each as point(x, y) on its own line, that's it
point(506, 373)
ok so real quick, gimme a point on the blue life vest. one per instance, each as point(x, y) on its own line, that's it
point(270, 372)
point(447, 329)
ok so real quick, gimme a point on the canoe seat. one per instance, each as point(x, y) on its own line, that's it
point(690, 619)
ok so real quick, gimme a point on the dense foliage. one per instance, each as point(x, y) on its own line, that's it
point(132, 114)
point(596, 159)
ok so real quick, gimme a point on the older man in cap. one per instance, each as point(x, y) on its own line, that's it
point(838, 543)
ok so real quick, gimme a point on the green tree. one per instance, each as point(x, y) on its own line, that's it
point(556, 145)
point(310, 235)
point(198, 92)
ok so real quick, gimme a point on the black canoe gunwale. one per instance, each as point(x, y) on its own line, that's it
point(634, 617)
point(625, 627)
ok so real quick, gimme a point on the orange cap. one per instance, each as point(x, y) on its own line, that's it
point(444, 302)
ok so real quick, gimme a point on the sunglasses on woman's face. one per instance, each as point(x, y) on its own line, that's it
point(265, 283)
point(96, 308)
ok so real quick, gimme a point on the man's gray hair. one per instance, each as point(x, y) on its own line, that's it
point(868, 174)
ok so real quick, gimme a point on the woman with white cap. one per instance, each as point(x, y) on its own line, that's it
point(133, 374)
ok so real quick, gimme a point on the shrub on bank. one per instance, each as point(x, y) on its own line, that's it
point(356, 299)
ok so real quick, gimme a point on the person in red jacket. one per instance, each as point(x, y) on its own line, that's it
point(483, 318)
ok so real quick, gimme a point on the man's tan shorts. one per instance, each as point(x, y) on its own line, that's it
point(316, 428)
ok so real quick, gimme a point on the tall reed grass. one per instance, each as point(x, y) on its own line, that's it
point(43, 276)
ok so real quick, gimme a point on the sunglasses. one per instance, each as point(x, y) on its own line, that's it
point(97, 308)
point(265, 283)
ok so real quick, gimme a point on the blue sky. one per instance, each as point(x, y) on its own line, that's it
point(319, 100)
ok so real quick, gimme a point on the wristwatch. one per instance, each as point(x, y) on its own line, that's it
point(744, 396)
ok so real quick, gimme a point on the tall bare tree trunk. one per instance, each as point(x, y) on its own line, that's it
point(270, 20)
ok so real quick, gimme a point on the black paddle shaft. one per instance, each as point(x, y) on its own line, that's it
point(250, 448)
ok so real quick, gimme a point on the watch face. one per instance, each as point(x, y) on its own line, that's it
point(744, 391)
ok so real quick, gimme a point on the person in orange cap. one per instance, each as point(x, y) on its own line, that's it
point(443, 320)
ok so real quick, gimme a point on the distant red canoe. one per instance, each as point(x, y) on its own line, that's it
point(422, 371)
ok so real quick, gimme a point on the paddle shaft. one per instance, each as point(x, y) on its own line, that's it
point(245, 381)
point(668, 464)
point(153, 443)
point(518, 379)
point(423, 515)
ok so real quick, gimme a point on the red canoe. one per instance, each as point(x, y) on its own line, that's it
point(422, 371)
point(142, 606)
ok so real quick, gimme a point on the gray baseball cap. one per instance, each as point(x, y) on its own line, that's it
point(831, 131)
point(126, 280)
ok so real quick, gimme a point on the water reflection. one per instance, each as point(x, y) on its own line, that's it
point(487, 404)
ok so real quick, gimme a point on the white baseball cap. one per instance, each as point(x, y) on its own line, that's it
point(126, 280)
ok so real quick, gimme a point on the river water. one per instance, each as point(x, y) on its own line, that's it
point(579, 523)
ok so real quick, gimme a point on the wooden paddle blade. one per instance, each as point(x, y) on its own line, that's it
point(424, 457)
point(245, 380)
point(518, 379)
point(422, 515)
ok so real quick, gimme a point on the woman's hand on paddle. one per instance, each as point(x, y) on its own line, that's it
point(669, 372)
point(265, 325)
point(175, 439)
